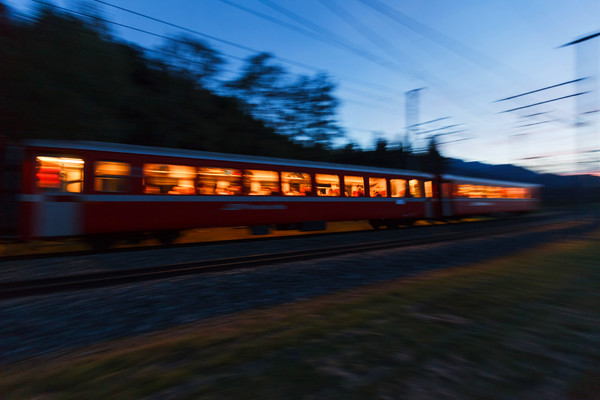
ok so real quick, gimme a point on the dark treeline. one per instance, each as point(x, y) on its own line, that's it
point(66, 77)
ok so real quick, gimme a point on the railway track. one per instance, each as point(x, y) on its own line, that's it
point(86, 252)
point(43, 286)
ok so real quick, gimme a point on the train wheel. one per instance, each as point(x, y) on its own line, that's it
point(166, 237)
point(392, 223)
point(99, 242)
point(377, 223)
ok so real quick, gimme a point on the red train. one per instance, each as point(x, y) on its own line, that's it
point(105, 191)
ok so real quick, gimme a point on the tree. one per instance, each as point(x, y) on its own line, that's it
point(433, 161)
point(313, 109)
point(260, 86)
point(381, 145)
point(194, 59)
point(303, 109)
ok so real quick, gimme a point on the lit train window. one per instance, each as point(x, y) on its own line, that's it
point(219, 181)
point(466, 191)
point(59, 174)
point(354, 186)
point(494, 192)
point(295, 184)
point(327, 185)
point(261, 183)
point(377, 187)
point(398, 187)
point(110, 176)
point(414, 186)
point(428, 189)
point(517, 193)
point(169, 179)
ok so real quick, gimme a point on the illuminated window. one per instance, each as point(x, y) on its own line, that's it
point(517, 193)
point(59, 174)
point(295, 184)
point(428, 189)
point(377, 187)
point(479, 191)
point(490, 192)
point(398, 187)
point(219, 181)
point(471, 191)
point(415, 188)
point(261, 183)
point(354, 186)
point(169, 179)
point(111, 176)
point(327, 185)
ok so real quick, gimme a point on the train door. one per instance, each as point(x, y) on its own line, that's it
point(58, 211)
point(429, 212)
point(11, 161)
point(447, 209)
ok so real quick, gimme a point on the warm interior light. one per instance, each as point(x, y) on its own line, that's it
point(60, 160)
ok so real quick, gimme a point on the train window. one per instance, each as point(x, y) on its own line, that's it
point(467, 191)
point(428, 189)
point(398, 187)
point(59, 174)
point(516, 193)
point(219, 181)
point(327, 185)
point(494, 192)
point(480, 191)
point(111, 176)
point(295, 184)
point(414, 186)
point(261, 183)
point(354, 186)
point(169, 179)
point(377, 187)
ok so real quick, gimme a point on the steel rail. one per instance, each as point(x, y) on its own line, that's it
point(87, 252)
point(44, 286)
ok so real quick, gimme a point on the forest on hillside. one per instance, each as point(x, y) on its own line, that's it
point(64, 75)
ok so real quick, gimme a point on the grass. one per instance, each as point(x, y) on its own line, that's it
point(522, 327)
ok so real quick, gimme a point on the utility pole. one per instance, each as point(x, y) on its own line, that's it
point(412, 116)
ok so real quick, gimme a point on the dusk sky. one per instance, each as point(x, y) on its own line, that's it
point(466, 54)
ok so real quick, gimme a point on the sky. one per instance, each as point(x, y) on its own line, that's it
point(458, 59)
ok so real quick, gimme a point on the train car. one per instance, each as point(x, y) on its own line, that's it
point(105, 191)
point(464, 196)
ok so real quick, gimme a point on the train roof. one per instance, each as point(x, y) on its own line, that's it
point(196, 154)
point(485, 181)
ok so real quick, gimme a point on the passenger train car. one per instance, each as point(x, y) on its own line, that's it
point(103, 191)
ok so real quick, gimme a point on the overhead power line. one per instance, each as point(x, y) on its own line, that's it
point(325, 35)
point(544, 102)
point(243, 47)
point(347, 78)
point(540, 90)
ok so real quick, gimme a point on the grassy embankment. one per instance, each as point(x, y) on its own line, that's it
point(525, 327)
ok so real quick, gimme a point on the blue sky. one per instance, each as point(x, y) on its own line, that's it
point(466, 54)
